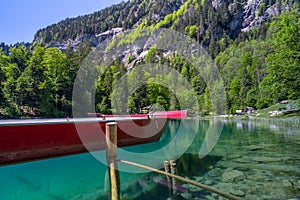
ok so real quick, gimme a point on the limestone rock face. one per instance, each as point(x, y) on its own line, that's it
point(254, 16)
point(93, 39)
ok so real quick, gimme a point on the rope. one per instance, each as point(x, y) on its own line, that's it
point(211, 189)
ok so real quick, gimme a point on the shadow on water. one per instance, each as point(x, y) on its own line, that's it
point(28, 182)
point(191, 165)
point(36, 187)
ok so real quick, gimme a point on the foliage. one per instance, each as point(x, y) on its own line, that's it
point(39, 83)
point(259, 73)
point(283, 62)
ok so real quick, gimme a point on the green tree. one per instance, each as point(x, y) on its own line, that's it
point(104, 91)
point(157, 93)
point(56, 79)
point(74, 61)
point(151, 55)
point(119, 96)
point(234, 98)
point(3, 63)
point(13, 67)
point(19, 55)
point(283, 78)
point(244, 77)
point(31, 82)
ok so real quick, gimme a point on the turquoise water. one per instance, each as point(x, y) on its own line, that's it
point(250, 160)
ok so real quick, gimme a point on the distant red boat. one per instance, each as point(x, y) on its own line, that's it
point(25, 140)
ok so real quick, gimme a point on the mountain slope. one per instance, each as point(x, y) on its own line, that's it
point(213, 23)
point(124, 15)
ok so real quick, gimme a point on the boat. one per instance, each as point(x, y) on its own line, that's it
point(32, 139)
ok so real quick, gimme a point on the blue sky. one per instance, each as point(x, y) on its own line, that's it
point(20, 19)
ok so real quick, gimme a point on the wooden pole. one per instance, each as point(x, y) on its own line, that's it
point(211, 189)
point(111, 158)
point(173, 171)
point(167, 169)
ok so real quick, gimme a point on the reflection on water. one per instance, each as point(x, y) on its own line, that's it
point(250, 160)
point(191, 165)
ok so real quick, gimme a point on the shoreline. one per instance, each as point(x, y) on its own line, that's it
point(284, 121)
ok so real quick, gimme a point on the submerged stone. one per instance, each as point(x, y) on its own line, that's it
point(286, 183)
point(187, 195)
point(255, 177)
point(208, 182)
point(229, 169)
point(198, 178)
point(243, 160)
point(232, 175)
point(215, 172)
point(192, 188)
point(238, 193)
point(255, 147)
point(267, 197)
point(224, 186)
point(209, 197)
point(266, 159)
point(234, 156)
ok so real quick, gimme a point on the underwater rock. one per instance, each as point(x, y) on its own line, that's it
point(209, 197)
point(224, 186)
point(229, 169)
point(192, 188)
point(198, 178)
point(267, 197)
point(243, 160)
point(269, 185)
point(252, 196)
point(187, 195)
point(215, 172)
point(232, 175)
point(234, 156)
point(255, 177)
point(286, 183)
point(266, 159)
point(259, 175)
point(255, 147)
point(214, 195)
point(208, 182)
point(238, 193)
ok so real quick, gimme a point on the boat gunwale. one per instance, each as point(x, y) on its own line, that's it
point(21, 122)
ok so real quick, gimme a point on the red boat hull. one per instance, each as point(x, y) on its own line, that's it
point(22, 141)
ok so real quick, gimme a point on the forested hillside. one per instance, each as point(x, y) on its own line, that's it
point(125, 15)
point(255, 45)
point(262, 72)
